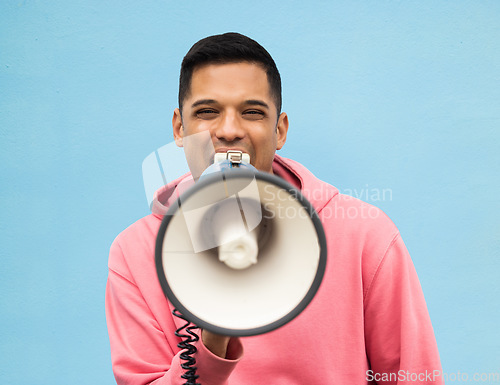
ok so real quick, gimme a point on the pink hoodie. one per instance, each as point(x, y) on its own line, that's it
point(368, 322)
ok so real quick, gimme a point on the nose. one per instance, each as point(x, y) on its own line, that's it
point(229, 128)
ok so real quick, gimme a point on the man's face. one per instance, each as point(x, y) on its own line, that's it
point(229, 107)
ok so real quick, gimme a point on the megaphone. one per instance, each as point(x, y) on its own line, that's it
point(242, 252)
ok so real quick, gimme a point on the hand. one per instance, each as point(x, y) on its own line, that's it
point(216, 343)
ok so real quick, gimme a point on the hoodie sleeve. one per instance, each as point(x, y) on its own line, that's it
point(143, 348)
point(400, 341)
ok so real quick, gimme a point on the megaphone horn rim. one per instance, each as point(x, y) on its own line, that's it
point(304, 302)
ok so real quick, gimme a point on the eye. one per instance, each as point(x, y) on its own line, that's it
point(254, 114)
point(206, 113)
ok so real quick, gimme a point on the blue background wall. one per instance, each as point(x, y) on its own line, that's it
point(382, 95)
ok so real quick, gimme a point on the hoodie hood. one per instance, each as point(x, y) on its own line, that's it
point(317, 192)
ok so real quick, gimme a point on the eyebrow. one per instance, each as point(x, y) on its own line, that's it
point(255, 102)
point(250, 102)
point(203, 101)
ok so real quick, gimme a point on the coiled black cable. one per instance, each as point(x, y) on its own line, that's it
point(188, 336)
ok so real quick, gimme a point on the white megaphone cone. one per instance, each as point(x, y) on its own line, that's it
point(243, 252)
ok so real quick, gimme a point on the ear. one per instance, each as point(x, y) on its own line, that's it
point(178, 130)
point(281, 130)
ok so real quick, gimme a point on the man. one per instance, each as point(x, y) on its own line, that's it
point(368, 322)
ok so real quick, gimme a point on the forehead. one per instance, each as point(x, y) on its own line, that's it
point(231, 80)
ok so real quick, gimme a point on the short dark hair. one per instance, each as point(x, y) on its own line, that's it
point(227, 48)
